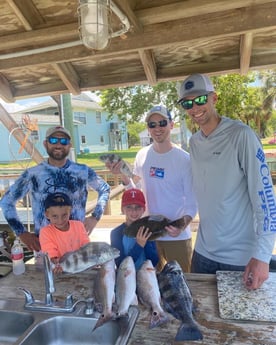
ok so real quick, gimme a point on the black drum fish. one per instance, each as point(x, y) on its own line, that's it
point(90, 255)
point(178, 301)
point(156, 225)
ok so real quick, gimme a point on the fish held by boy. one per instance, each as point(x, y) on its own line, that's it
point(155, 223)
point(90, 255)
point(114, 158)
point(104, 289)
point(149, 295)
point(178, 301)
point(125, 290)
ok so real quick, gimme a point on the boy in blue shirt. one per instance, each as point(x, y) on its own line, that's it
point(139, 248)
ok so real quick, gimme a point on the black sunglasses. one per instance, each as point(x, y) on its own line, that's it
point(62, 141)
point(199, 100)
point(162, 123)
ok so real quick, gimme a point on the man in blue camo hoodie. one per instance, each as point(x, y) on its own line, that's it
point(57, 174)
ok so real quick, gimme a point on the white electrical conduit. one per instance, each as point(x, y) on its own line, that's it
point(113, 7)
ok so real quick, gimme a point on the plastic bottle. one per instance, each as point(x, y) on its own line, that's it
point(17, 255)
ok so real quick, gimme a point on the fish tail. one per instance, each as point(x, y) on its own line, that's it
point(188, 332)
point(158, 319)
point(103, 319)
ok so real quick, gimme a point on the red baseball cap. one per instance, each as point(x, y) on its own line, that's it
point(133, 196)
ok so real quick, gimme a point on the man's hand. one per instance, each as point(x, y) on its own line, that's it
point(31, 241)
point(89, 224)
point(173, 231)
point(142, 236)
point(256, 272)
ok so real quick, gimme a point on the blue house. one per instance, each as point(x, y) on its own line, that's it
point(93, 130)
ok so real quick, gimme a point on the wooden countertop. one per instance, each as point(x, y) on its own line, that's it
point(215, 330)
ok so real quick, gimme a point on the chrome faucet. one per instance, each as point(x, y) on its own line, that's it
point(68, 306)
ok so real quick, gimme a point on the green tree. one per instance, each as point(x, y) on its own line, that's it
point(238, 98)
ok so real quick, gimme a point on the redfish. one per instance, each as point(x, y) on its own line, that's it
point(148, 293)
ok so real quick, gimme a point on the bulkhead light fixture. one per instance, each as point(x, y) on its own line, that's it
point(94, 22)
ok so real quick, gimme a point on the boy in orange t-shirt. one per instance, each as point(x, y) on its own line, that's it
point(62, 235)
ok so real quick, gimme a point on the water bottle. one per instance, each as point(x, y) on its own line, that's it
point(17, 255)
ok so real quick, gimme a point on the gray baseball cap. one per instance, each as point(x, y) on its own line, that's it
point(196, 85)
point(57, 129)
point(161, 110)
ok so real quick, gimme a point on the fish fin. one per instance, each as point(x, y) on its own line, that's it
point(158, 319)
point(188, 332)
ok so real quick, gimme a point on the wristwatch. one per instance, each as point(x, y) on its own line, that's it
point(93, 214)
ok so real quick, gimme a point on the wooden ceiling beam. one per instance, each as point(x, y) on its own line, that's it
point(125, 7)
point(185, 9)
point(69, 76)
point(225, 24)
point(149, 65)
point(245, 52)
point(26, 12)
point(6, 90)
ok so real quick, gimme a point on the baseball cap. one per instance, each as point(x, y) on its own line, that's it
point(57, 199)
point(195, 84)
point(161, 110)
point(57, 129)
point(133, 196)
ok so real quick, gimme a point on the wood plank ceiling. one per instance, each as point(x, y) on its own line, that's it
point(41, 53)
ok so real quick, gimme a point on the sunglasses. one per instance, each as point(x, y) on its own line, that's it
point(62, 141)
point(188, 103)
point(162, 123)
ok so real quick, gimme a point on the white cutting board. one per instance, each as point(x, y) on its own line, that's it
point(236, 302)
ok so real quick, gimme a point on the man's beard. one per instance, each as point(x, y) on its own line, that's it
point(57, 155)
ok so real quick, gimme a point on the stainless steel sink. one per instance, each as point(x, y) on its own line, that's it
point(74, 330)
point(13, 324)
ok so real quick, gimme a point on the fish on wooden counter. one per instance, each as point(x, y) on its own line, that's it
point(149, 295)
point(125, 290)
point(105, 292)
point(178, 301)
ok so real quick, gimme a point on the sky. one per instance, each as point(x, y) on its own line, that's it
point(28, 102)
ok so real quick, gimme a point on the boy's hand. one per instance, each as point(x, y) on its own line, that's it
point(142, 236)
point(57, 269)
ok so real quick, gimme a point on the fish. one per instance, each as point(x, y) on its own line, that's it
point(125, 290)
point(125, 168)
point(104, 290)
point(178, 301)
point(156, 225)
point(149, 295)
point(90, 255)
